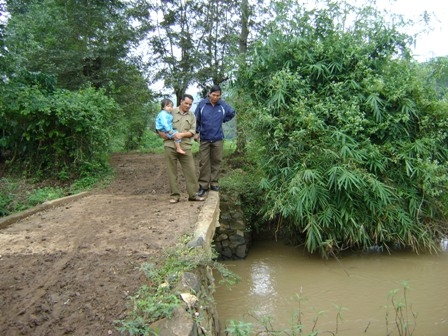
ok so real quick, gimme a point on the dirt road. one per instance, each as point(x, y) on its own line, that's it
point(69, 270)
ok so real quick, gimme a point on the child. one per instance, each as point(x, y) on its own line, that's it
point(164, 123)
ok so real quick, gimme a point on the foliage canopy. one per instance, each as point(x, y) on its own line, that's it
point(69, 85)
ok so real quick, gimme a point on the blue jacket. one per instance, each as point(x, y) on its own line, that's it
point(164, 122)
point(209, 119)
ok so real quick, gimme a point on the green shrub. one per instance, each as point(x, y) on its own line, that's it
point(13, 196)
point(349, 131)
point(54, 133)
point(151, 142)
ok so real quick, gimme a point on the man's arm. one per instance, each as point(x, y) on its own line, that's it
point(230, 112)
point(198, 116)
point(180, 135)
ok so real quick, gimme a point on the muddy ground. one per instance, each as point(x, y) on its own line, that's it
point(70, 270)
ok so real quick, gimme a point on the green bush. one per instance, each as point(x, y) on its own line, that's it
point(54, 133)
point(5, 201)
point(151, 142)
point(350, 133)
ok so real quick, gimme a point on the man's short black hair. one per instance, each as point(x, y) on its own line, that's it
point(215, 88)
point(186, 95)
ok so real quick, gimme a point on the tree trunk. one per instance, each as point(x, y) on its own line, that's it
point(241, 138)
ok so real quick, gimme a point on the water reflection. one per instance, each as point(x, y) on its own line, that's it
point(444, 245)
point(273, 275)
point(262, 283)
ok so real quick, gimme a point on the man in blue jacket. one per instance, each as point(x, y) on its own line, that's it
point(211, 113)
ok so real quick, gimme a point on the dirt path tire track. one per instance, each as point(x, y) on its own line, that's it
point(69, 270)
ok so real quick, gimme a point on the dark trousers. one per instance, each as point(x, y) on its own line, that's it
point(210, 158)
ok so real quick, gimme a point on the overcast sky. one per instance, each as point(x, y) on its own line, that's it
point(432, 43)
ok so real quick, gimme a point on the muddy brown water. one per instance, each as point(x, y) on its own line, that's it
point(359, 286)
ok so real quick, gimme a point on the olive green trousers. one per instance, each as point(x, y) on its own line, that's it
point(188, 169)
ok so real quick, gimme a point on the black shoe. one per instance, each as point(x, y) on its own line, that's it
point(196, 199)
point(215, 188)
point(202, 192)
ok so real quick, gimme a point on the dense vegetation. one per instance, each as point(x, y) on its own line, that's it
point(342, 132)
point(350, 133)
point(68, 86)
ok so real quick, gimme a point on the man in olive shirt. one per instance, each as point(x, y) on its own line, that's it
point(184, 122)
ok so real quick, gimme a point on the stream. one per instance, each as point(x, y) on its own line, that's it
point(351, 295)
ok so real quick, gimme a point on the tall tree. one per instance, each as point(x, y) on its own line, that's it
point(218, 30)
point(244, 34)
point(439, 68)
point(242, 50)
point(3, 49)
point(190, 42)
point(82, 43)
point(170, 45)
point(78, 41)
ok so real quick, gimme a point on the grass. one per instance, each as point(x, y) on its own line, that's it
point(18, 194)
point(158, 297)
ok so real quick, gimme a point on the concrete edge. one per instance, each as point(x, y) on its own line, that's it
point(8, 220)
point(208, 220)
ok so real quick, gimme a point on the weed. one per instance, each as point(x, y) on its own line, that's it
point(41, 195)
point(399, 318)
point(403, 318)
point(238, 328)
point(137, 327)
point(90, 182)
point(151, 142)
point(157, 299)
point(339, 310)
point(265, 325)
point(18, 193)
point(13, 195)
point(5, 200)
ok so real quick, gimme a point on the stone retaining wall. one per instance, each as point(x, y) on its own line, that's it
point(232, 239)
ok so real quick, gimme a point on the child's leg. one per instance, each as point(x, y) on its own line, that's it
point(178, 148)
point(177, 143)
